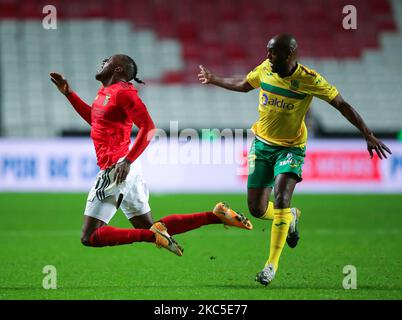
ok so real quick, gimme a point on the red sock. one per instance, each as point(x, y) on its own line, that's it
point(111, 236)
point(179, 223)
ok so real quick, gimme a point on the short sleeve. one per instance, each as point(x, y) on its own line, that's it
point(323, 90)
point(253, 77)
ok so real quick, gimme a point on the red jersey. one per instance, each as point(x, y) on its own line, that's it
point(112, 115)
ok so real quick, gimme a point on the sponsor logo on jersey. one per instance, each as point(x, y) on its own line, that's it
point(279, 103)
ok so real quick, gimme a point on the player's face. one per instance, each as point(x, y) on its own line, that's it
point(277, 58)
point(105, 69)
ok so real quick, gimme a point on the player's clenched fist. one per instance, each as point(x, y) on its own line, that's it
point(205, 76)
point(60, 83)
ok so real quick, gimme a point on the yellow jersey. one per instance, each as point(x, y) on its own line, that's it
point(284, 102)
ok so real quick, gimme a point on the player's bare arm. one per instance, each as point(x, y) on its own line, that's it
point(234, 84)
point(122, 170)
point(61, 83)
point(354, 118)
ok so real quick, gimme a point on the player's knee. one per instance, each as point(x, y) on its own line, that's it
point(85, 241)
point(256, 211)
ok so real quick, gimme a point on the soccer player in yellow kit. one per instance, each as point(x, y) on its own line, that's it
point(278, 150)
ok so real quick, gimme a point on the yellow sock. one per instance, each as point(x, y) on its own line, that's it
point(279, 232)
point(269, 214)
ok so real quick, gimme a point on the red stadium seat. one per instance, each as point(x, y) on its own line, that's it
point(187, 32)
point(173, 77)
point(8, 9)
point(219, 32)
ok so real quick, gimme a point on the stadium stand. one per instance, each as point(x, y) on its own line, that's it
point(169, 39)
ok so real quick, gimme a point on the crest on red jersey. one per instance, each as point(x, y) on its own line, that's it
point(107, 97)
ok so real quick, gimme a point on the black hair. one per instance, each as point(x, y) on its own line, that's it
point(131, 69)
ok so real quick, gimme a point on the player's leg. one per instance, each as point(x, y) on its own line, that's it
point(181, 223)
point(135, 206)
point(89, 225)
point(221, 214)
point(260, 181)
point(284, 186)
point(102, 204)
point(259, 204)
point(283, 191)
point(96, 232)
point(287, 172)
point(290, 160)
point(144, 221)
point(135, 200)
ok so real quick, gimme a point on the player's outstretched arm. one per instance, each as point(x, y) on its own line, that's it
point(241, 85)
point(83, 109)
point(61, 83)
point(354, 118)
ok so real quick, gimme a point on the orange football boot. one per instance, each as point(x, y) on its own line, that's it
point(164, 240)
point(230, 217)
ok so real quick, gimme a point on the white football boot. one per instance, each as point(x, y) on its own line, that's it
point(266, 276)
point(293, 234)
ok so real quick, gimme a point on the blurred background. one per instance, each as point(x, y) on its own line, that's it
point(169, 40)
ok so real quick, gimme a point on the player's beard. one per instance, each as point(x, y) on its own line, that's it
point(279, 67)
point(104, 72)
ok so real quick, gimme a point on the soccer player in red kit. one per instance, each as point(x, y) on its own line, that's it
point(119, 183)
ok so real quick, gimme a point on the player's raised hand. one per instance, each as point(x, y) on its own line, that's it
point(205, 75)
point(61, 83)
point(375, 144)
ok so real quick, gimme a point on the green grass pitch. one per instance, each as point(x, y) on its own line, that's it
point(336, 230)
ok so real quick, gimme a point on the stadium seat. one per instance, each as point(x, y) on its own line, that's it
point(169, 40)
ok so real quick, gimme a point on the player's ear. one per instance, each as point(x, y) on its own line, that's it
point(293, 52)
point(118, 69)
